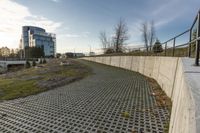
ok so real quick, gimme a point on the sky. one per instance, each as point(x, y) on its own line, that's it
point(77, 23)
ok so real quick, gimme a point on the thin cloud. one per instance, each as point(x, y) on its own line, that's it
point(69, 35)
point(163, 13)
point(135, 32)
point(85, 34)
point(55, 0)
point(169, 11)
point(72, 35)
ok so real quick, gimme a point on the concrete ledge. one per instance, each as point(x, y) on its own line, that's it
point(177, 77)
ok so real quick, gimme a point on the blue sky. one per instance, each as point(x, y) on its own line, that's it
point(77, 23)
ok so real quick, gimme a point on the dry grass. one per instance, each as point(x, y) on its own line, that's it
point(162, 100)
point(41, 78)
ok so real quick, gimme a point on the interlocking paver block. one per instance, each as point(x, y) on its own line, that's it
point(112, 100)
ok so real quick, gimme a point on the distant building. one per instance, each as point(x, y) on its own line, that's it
point(69, 55)
point(38, 37)
point(91, 53)
point(5, 51)
point(79, 55)
point(74, 55)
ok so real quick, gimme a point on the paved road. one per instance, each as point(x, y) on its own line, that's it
point(94, 104)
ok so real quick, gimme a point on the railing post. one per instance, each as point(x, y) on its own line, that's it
point(198, 41)
point(166, 49)
point(189, 46)
point(174, 46)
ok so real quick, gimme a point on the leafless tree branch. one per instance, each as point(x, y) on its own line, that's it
point(148, 35)
point(144, 30)
point(121, 35)
point(152, 35)
point(104, 40)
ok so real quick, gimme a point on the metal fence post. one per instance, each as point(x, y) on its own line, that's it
point(189, 47)
point(198, 41)
point(174, 46)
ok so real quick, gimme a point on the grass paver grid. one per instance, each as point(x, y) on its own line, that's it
point(94, 104)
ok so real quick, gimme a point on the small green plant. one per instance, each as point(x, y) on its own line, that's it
point(166, 127)
point(125, 114)
point(157, 47)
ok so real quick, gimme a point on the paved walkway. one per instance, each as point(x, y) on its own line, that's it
point(92, 105)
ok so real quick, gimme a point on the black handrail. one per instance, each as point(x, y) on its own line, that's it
point(177, 36)
point(190, 30)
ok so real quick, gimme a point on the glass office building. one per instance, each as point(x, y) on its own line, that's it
point(38, 37)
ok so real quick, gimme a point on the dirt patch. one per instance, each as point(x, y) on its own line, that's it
point(56, 82)
point(162, 100)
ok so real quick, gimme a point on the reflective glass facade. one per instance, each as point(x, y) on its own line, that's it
point(38, 37)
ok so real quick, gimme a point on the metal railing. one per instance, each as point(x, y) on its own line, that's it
point(17, 59)
point(10, 59)
point(189, 49)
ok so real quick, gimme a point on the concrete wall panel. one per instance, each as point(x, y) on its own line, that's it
point(93, 59)
point(135, 63)
point(104, 60)
point(115, 61)
point(87, 58)
point(156, 68)
point(141, 64)
point(128, 62)
point(99, 59)
point(107, 60)
point(149, 66)
point(183, 111)
point(125, 62)
point(167, 72)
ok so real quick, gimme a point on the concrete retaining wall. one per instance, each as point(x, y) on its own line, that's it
point(173, 74)
point(4, 64)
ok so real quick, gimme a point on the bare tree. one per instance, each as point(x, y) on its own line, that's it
point(120, 36)
point(104, 41)
point(144, 30)
point(148, 35)
point(152, 35)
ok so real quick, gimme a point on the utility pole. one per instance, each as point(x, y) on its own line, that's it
point(90, 50)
